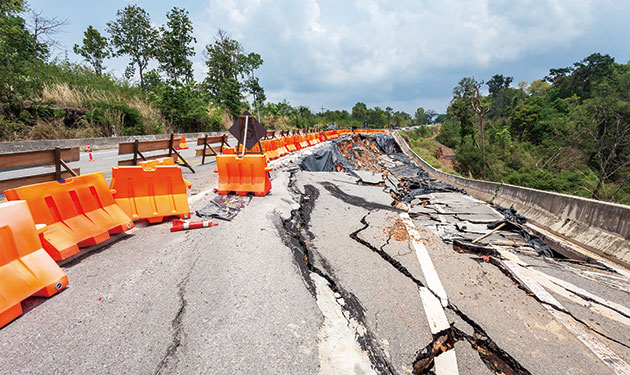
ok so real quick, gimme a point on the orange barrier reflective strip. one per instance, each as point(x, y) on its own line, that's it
point(248, 174)
point(25, 267)
point(79, 212)
point(150, 194)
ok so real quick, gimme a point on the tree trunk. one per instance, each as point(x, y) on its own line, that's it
point(141, 77)
point(483, 146)
point(35, 55)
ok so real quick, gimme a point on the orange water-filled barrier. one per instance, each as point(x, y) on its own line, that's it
point(25, 267)
point(79, 211)
point(150, 193)
point(242, 175)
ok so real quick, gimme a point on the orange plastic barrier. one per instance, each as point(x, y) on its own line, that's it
point(290, 144)
point(303, 141)
point(150, 194)
point(25, 267)
point(282, 146)
point(269, 150)
point(79, 212)
point(248, 174)
point(151, 164)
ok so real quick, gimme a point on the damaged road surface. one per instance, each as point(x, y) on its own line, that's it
point(356, 263)
point(419, 304)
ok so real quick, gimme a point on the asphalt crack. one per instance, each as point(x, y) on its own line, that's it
point(496, 260)
point(176, 323)
point(496, 359)
point(296, 235)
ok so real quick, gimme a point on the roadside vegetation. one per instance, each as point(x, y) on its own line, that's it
point(43, 96)
point(50, 97)
point(568, 132)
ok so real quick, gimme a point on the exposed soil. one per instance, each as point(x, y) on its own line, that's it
point(444, 154)
point(398, 231)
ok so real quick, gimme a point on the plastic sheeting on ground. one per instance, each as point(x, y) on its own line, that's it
point(224, 207)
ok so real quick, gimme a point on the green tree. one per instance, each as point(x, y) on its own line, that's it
point(228, 68)
point(94, 49)
point(496, 86)
point(431, 115)
point(522, 120)
point(132, 34)
point(420, 116)
point(252, 83)
point(175, 48)
point(607, 122)
point(11, 6)
point(460, 108)
point(359, 112)
point(538, 87)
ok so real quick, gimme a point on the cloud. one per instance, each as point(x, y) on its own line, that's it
point(320, 51)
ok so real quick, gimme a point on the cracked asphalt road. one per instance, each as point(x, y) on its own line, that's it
point(321, 276)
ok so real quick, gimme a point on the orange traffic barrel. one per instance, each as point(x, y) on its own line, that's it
point(79, 211)
point(242, 175)
point(150, 193)
point(25, 267)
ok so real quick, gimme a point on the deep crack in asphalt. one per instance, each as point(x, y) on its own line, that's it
point(495, 358)
point(297, 236)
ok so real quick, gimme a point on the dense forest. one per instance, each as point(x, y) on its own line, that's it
point(567, 132)
point(44, 96)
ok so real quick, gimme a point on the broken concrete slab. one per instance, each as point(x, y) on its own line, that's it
point(369, 177)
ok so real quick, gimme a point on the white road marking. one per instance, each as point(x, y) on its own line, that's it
point(445, 363)
point(431, 276)
point(339, 350)
point(435, 312)
point(557, 310)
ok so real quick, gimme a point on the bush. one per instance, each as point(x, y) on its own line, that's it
point(468, 158)
point(186, 108)
point(449, 134)
point(108, 116)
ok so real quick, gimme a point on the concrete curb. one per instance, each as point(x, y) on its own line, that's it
point(95, 143)
point(600, 227)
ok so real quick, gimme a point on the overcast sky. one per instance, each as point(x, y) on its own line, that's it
point(401, 53)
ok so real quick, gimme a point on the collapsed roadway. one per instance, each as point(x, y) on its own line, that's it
point(356, 262)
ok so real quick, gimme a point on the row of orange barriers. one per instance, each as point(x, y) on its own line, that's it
point(51, 221)
point(275, 148)
point(250, 173)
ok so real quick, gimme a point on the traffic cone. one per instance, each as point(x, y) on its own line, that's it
point(89, 151)
point(182, 225)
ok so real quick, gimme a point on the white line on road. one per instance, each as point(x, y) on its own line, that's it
point(433, 280)
point(445, 363)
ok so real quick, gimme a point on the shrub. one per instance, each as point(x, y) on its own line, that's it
point(109, 115)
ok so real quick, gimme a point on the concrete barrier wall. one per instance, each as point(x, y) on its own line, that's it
point(95, 143)
point(601, 227)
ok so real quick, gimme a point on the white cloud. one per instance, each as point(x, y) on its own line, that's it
point(316, 49)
